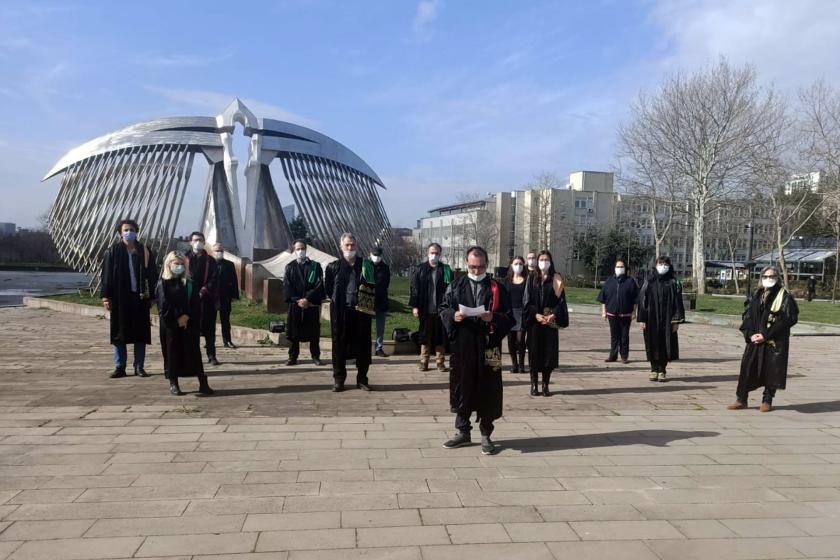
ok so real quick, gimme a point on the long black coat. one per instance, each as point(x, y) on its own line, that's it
point(660, 306)
point(303, 281)
point(480, 384)
point(382, 279)
point(543, 341)
point(181, 347)
point(228, 285)
point(766, 363)
point(204, 272)
point(350, 330)
point(130, 321)
point(419, 298)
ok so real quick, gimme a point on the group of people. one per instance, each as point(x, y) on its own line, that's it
point(467, 315)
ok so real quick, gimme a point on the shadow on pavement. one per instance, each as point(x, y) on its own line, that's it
point(652, 388)
point(657, 438)
point(812, 408)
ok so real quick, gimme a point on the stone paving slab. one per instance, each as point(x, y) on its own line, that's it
point(276, 466)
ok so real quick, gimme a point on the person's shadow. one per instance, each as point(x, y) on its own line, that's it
point(656, 438)
point(811, 408)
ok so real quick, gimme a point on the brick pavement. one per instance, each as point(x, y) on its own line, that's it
point(277, 466)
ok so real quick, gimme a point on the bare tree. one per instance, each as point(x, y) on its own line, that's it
point(548, 213)
point(475, 227)
point(706, 125)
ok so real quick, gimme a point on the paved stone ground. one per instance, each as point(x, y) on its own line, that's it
point(276, 466)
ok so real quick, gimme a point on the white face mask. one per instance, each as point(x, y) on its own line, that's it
point(619, 271)
point(768, 282)
point(301, 253)
point(544, 265)
point(532, 263)
point(198, 246)
point(349, 254)
point(476, 277)
point(434, 258)
point(375, 258)
point(177, 269)
point(662, 268)
point(220, 255)
point(517, 269)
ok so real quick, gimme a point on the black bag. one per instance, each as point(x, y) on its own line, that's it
point(402, 334)
point(562, 318)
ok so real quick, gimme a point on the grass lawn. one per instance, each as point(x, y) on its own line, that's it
point(253, 315)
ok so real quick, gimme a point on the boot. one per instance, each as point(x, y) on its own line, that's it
point(513, 360)
point(546, 380)
point(174, 389)
point(522, 361)
point(534, 383)
point(204, 387)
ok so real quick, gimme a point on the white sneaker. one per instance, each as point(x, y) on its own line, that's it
point(661, 377)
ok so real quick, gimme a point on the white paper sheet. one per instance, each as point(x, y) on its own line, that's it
point(471, 311)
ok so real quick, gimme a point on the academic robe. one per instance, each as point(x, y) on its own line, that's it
point(228, 285)
point(480, 384)
point(204, 272)
point(181, 347)
point(431, 332)
point(660, 306)
point(303, 281)
point(543, 341)
point(130, 321)
point(772, 313)
point(350, 329)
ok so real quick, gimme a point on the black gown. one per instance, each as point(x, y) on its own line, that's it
point(351, 338)
point(130, 320)
point(660, 306)
point(303, 281)
point(479, 383)
point(543, 341)
point(204, 272)
point(766, 364)
point(181, 347)
point(431, 332)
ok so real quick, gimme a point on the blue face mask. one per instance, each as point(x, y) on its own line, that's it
point(129, 235)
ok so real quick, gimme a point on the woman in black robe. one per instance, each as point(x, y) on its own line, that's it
point(516, 284)
point(767, 321)
point(544, 305)
point(659, 314)
point(179, 307)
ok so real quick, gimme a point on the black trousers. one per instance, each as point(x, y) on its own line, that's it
point(314, 349)
point(769, 392)
point(619, 337)
point(224, 317)
point(208, 327)
point(464, 426)
point(658, 365)
point(341, 353)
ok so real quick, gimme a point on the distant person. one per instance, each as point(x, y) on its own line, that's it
point(303, 284)
point(516, 283)
point(545, 313)
point(618, 307)
point(810, 288)
point(228, 290)
point(204, 272)
point(531, 261)
point(382, 280)
point(767, 321)
point(659, 314)
point(349, 283)
point(129, 278)
point(179, 307)
point(429, 282)
point(477, 347)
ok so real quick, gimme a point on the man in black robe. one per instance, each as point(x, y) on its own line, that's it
point(227, 292)
point(205, 273)
point(349, 283)
point(477, 347)
point(660, 313)
point(767, 321)
point(303, 284)
point(129, 279)
point(428, 287)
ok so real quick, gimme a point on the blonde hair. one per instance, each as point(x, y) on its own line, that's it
point(166, 274)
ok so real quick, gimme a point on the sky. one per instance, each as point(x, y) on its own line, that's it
point(439, 97)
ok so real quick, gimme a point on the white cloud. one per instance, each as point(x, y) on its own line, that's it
point(215, 102)
point(427, 13)
point(177, 60)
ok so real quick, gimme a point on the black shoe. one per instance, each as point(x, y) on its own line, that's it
point(118, 372)
point(291, 362)
point(317, 361)
point(381, 354)
point(611, 359)
point(205, 390)
point(442, 368)
point(338, 387)
point(174, 389)
point(213, 361)
point(363, 385)
point(535, 385)
point(487, 446)
point(545, 391)
point(140, 372)
point(461, 439)
point(230, 344)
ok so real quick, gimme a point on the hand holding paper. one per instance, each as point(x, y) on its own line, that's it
point(471, 311)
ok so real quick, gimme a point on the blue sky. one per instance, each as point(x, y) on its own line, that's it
point(439, 97)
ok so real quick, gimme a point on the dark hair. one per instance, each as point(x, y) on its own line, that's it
point(664, 260)
point(433, 244)
point(479, 250)
point(538, 278)
point(622, 261)
point(510, 267)
point(132, 223)
point(198, 234)
point(376, 251)
point(296, 241)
